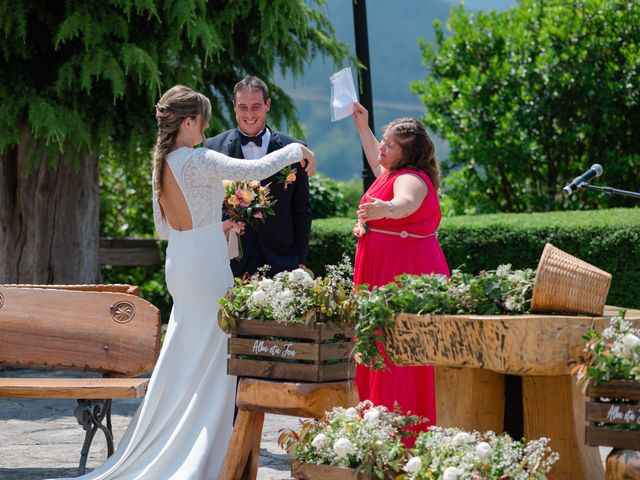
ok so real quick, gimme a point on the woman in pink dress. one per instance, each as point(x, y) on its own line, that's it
point(402, 214)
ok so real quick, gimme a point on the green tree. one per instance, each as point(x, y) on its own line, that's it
point(80, 78)
point(530, 97)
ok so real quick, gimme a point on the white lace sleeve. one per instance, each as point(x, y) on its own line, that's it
point(162, 227)
point(235, 169)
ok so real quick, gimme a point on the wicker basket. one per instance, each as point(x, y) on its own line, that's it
point(566, 284)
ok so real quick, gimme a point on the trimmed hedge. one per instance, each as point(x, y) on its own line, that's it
point(608, 239)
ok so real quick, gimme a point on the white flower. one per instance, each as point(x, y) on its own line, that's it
point(371, 415)
point(351, 413)
point(451, 473)
point(414, 465)
point(630, 343)
point(258, 297)
point(319, 441)
point(265, 283)
point(299, 275)
point(461, 438)
point(343, 447)
point(483, 451)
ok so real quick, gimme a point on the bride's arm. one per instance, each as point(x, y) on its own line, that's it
point(237, 169)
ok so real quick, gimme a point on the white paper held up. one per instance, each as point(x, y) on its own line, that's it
point(343, 94)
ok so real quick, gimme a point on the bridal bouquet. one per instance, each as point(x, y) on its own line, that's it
point(248, 203)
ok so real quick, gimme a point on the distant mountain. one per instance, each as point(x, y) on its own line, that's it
point(394, 27)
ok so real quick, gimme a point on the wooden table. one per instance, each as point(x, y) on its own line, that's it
point(472, 353)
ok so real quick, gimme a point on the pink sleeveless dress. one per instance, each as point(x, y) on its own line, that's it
point(379, 258)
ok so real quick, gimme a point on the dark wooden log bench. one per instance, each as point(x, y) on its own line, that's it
point(104, 329)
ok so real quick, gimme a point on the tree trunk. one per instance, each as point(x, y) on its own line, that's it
point(49, 218)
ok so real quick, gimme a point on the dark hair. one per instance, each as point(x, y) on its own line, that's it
point(176, 104)
point(251, 83)
point(418, 150)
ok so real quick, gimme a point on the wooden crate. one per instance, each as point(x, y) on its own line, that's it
point(610, 405)
point(266, 349)
point(310, 471)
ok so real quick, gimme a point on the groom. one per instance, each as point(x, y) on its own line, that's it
point(283, 240)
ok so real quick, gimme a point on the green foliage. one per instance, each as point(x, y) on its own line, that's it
point(608, 239)
point(327, 200)
point(330, 238)
point(84, 76)
point(613, 354)
point(491, 292)
point(530, 97)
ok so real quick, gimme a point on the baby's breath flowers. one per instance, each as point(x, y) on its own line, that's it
point(612, 355)
point(292, 298)
point(365, 437)
point(453, 454)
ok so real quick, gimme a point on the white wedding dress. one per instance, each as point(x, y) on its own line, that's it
point(183, 426)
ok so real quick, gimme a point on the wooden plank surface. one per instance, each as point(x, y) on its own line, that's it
point(309, 471)
point(616, 389)
point(304, 372)
point(614, 412)
point(80, 330)
point(597, 436)
point(129, 252)
point(243, 453)
point(294, 398)
point(78, 388)
point(269, 328)
point(514, 344)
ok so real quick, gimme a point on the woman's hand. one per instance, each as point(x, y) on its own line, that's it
point(374, 209)
point(360, 116)
point(308, 160)
point(229, 225)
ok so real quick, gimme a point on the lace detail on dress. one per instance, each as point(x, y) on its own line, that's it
point(200, 172)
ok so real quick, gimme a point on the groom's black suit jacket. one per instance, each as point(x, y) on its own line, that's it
point(283, 240)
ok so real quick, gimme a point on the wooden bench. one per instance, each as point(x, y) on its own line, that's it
point(104, 329)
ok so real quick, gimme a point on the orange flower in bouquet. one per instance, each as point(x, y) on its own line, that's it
point(248, 203)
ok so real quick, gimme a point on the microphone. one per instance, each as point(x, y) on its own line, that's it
point(594, 171)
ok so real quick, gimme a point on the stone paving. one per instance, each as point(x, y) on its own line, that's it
point(40, 438)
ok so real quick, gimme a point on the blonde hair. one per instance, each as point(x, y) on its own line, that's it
point(175, 105)
point(418, 150)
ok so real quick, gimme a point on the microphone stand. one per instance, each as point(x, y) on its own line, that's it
point(609, 190)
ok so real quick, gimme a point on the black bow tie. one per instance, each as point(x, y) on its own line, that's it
point(244, 139)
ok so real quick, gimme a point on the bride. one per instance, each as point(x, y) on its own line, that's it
point(183, 426)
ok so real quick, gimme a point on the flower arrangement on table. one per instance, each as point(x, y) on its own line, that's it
point(492, 292)
point(248, 203)
point(366, 437)
point(292, 298)
point(612, 355)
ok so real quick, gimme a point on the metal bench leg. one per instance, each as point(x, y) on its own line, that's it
point(90, 414)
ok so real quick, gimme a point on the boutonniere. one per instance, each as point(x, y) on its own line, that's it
point(287, 176)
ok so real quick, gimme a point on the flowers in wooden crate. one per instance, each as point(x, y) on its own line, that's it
point(366, 437)
point(612, 355)
point(292, 298)
point(491, 292)
point(454, 454)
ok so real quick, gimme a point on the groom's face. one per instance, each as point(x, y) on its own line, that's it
point(251, 111)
